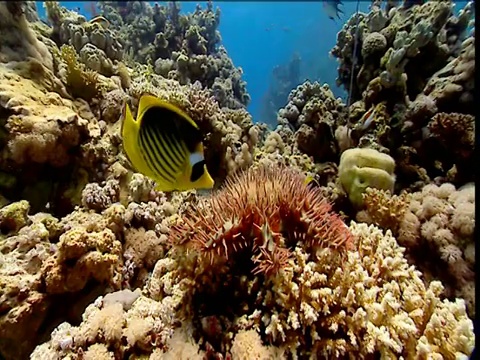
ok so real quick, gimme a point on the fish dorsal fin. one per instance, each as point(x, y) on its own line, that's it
point(148, 101)
point(168, 118)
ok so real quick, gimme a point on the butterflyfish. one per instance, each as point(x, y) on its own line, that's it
point(368, 118)
point(165, 144)
point(100, 20)
point(311, 181)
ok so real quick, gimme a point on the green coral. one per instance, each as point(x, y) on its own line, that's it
point(14, 216)
point(82, 83)
point(361, 168)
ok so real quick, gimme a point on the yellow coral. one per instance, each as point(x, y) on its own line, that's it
point(82, 82)
point(384, 209)
point(247, 345)
point(373, 302)
point(42, 127)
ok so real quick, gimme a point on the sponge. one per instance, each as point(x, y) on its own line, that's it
point(361, 168)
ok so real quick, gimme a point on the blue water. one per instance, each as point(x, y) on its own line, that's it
point(261, 35)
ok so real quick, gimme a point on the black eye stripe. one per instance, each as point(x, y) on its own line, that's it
point(198, 169)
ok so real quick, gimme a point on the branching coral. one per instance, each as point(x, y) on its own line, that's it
point(364, 302)
point(384, 209)
point(314, 114)
point(97, 45)
point(437, 221)
point(440, 222)
point(399, 49)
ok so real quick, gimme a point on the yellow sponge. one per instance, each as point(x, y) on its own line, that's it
point(363, 167)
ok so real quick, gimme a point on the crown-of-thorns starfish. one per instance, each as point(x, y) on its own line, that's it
point(266, 211)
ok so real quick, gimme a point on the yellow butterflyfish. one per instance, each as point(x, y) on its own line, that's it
point(165, 144)
point(100, 20)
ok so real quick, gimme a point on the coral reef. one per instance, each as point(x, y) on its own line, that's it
point(442, 220)
point(436, 225)
point(314, 114)
point(183, 47)
point(413, 71)
point(98, 46)
point(345, 232)
point(46, 262)
point(399, 50)
point(359, 304)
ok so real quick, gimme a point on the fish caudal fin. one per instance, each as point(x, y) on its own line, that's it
point(130, 130)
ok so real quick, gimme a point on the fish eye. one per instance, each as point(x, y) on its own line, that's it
point(197, 171)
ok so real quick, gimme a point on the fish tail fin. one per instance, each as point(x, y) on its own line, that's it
point(130, 129)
